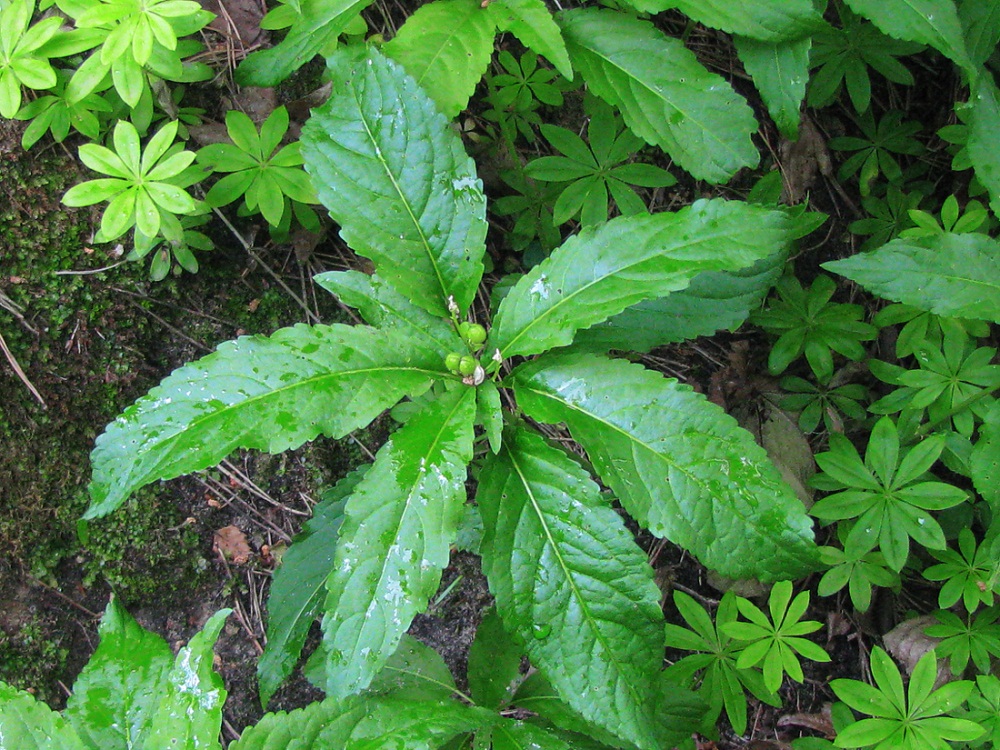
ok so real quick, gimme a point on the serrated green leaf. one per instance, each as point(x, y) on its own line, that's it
point(190, 708)
point(396, 724)
point(984, 132)
point(414, 672)
point(318, 24)
point(397, 179)
point(602, 271)
point(511, 734)
point(715, 301)
point(780, 72)
point(445, 47)
point(318, 726)
point(953, 275)
point(28, 724)
point(532, 23)
point(298, 586)
point(383, 307)
point(665, 95)
point(395, 539)
point(563, 569)
point(985, 461)
point(693, 477)
point(494, 663)
point(981, 24)
point(270, 394)
point(933, 22)
point(764, 20)
point(118, 691)
point(490, 413)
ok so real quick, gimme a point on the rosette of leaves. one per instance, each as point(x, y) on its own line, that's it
point(517, 94)
point(874, 154)
point(54, 113)
point(22, 61)
point(567, 577)
point(969, 573)
point(976, 637)
point(269, 179)
point(824, 401)
point(590, 172)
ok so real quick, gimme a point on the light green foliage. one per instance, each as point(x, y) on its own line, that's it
point(969, 573)
point(874, 152)
point(22, 63)
point(977, 637)
point(858, 570)
point(780, 71)
point(910, 719)
point(985, 462)
point(775, 641)
point(952, 220)
point(756, 19)
point(54, 113)
point(886, 497)
point(843, 55)
point(924, 330)
point(984, 709)
point(818, 401)
point(722, 682)
point(809, 323)
point(445, 46)
point(588, 173)
point(665, 95)
point(981, 26)
point(142, 182)
point(561, 562)
point(266, 177)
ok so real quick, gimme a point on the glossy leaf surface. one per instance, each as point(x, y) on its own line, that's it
point(765, 20)
point(395, 539)
point(398, 181)
point(665, 95)
point(933, 22)
point(28, 724)
point(601, 272)
point(268, 394)
point(679, 464)
point(570, 581)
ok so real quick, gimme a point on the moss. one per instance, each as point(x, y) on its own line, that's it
point(31, 655)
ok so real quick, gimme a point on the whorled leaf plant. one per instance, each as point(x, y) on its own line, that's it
point(567, 576)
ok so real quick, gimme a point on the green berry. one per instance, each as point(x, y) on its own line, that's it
point(476, 335)
point(467, 365)
point(452, 360)
point(463, 329)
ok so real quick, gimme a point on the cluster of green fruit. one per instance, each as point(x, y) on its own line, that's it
point(467, 365)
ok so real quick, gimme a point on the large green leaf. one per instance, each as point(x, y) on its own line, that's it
point(512, 734)
point(665, 95)
point(570, 581)
point(383, 307)
point(415, 671)
point(780, 71)
point(395, 539)
point(118, 691)
point(933, 22)
point(984, 134)
point(955, 275)
point(318, 726)
point(397, 724)
point(445, 46)
point(298, 586)
point(190, 711)
point(396, 178)
point(715, 301)
point(981, 24)
point(532, 23)
point(494, 663)
point(679, 464)
point(320, 22)
point(28, 724)
point(266, 393)
point(604, 270)
point(765, 20)
point(985, 460)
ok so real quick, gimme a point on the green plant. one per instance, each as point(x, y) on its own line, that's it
point(910, 719)
point(23, 62)
point(266, 178)
point(924, 330)
point(968, 573)
point(888, 216)
point(419, 215)
point(952, 220)
point(774, 641)
point(976, 637)
point(55, 113)
point(516, 95)
point(823, 401)
point(140, 188)
point(984, 709)
point(843, 56)
point(808, 323)
point(532, 205)
point(857, 569)
point(874, 152)
point(885, 497)
point(590, 173)
point(722, 681)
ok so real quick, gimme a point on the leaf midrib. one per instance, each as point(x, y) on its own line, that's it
point(591, 620)
point(703, 237)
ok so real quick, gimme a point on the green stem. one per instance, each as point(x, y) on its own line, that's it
point(957, 409)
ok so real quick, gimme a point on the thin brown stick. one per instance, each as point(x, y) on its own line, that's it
point(12, 360)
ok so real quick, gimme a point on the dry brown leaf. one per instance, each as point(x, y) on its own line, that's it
point(232, 544)
point(907, 642)
point(819, 722)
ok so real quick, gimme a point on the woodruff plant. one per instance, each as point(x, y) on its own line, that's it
point(567, 577)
